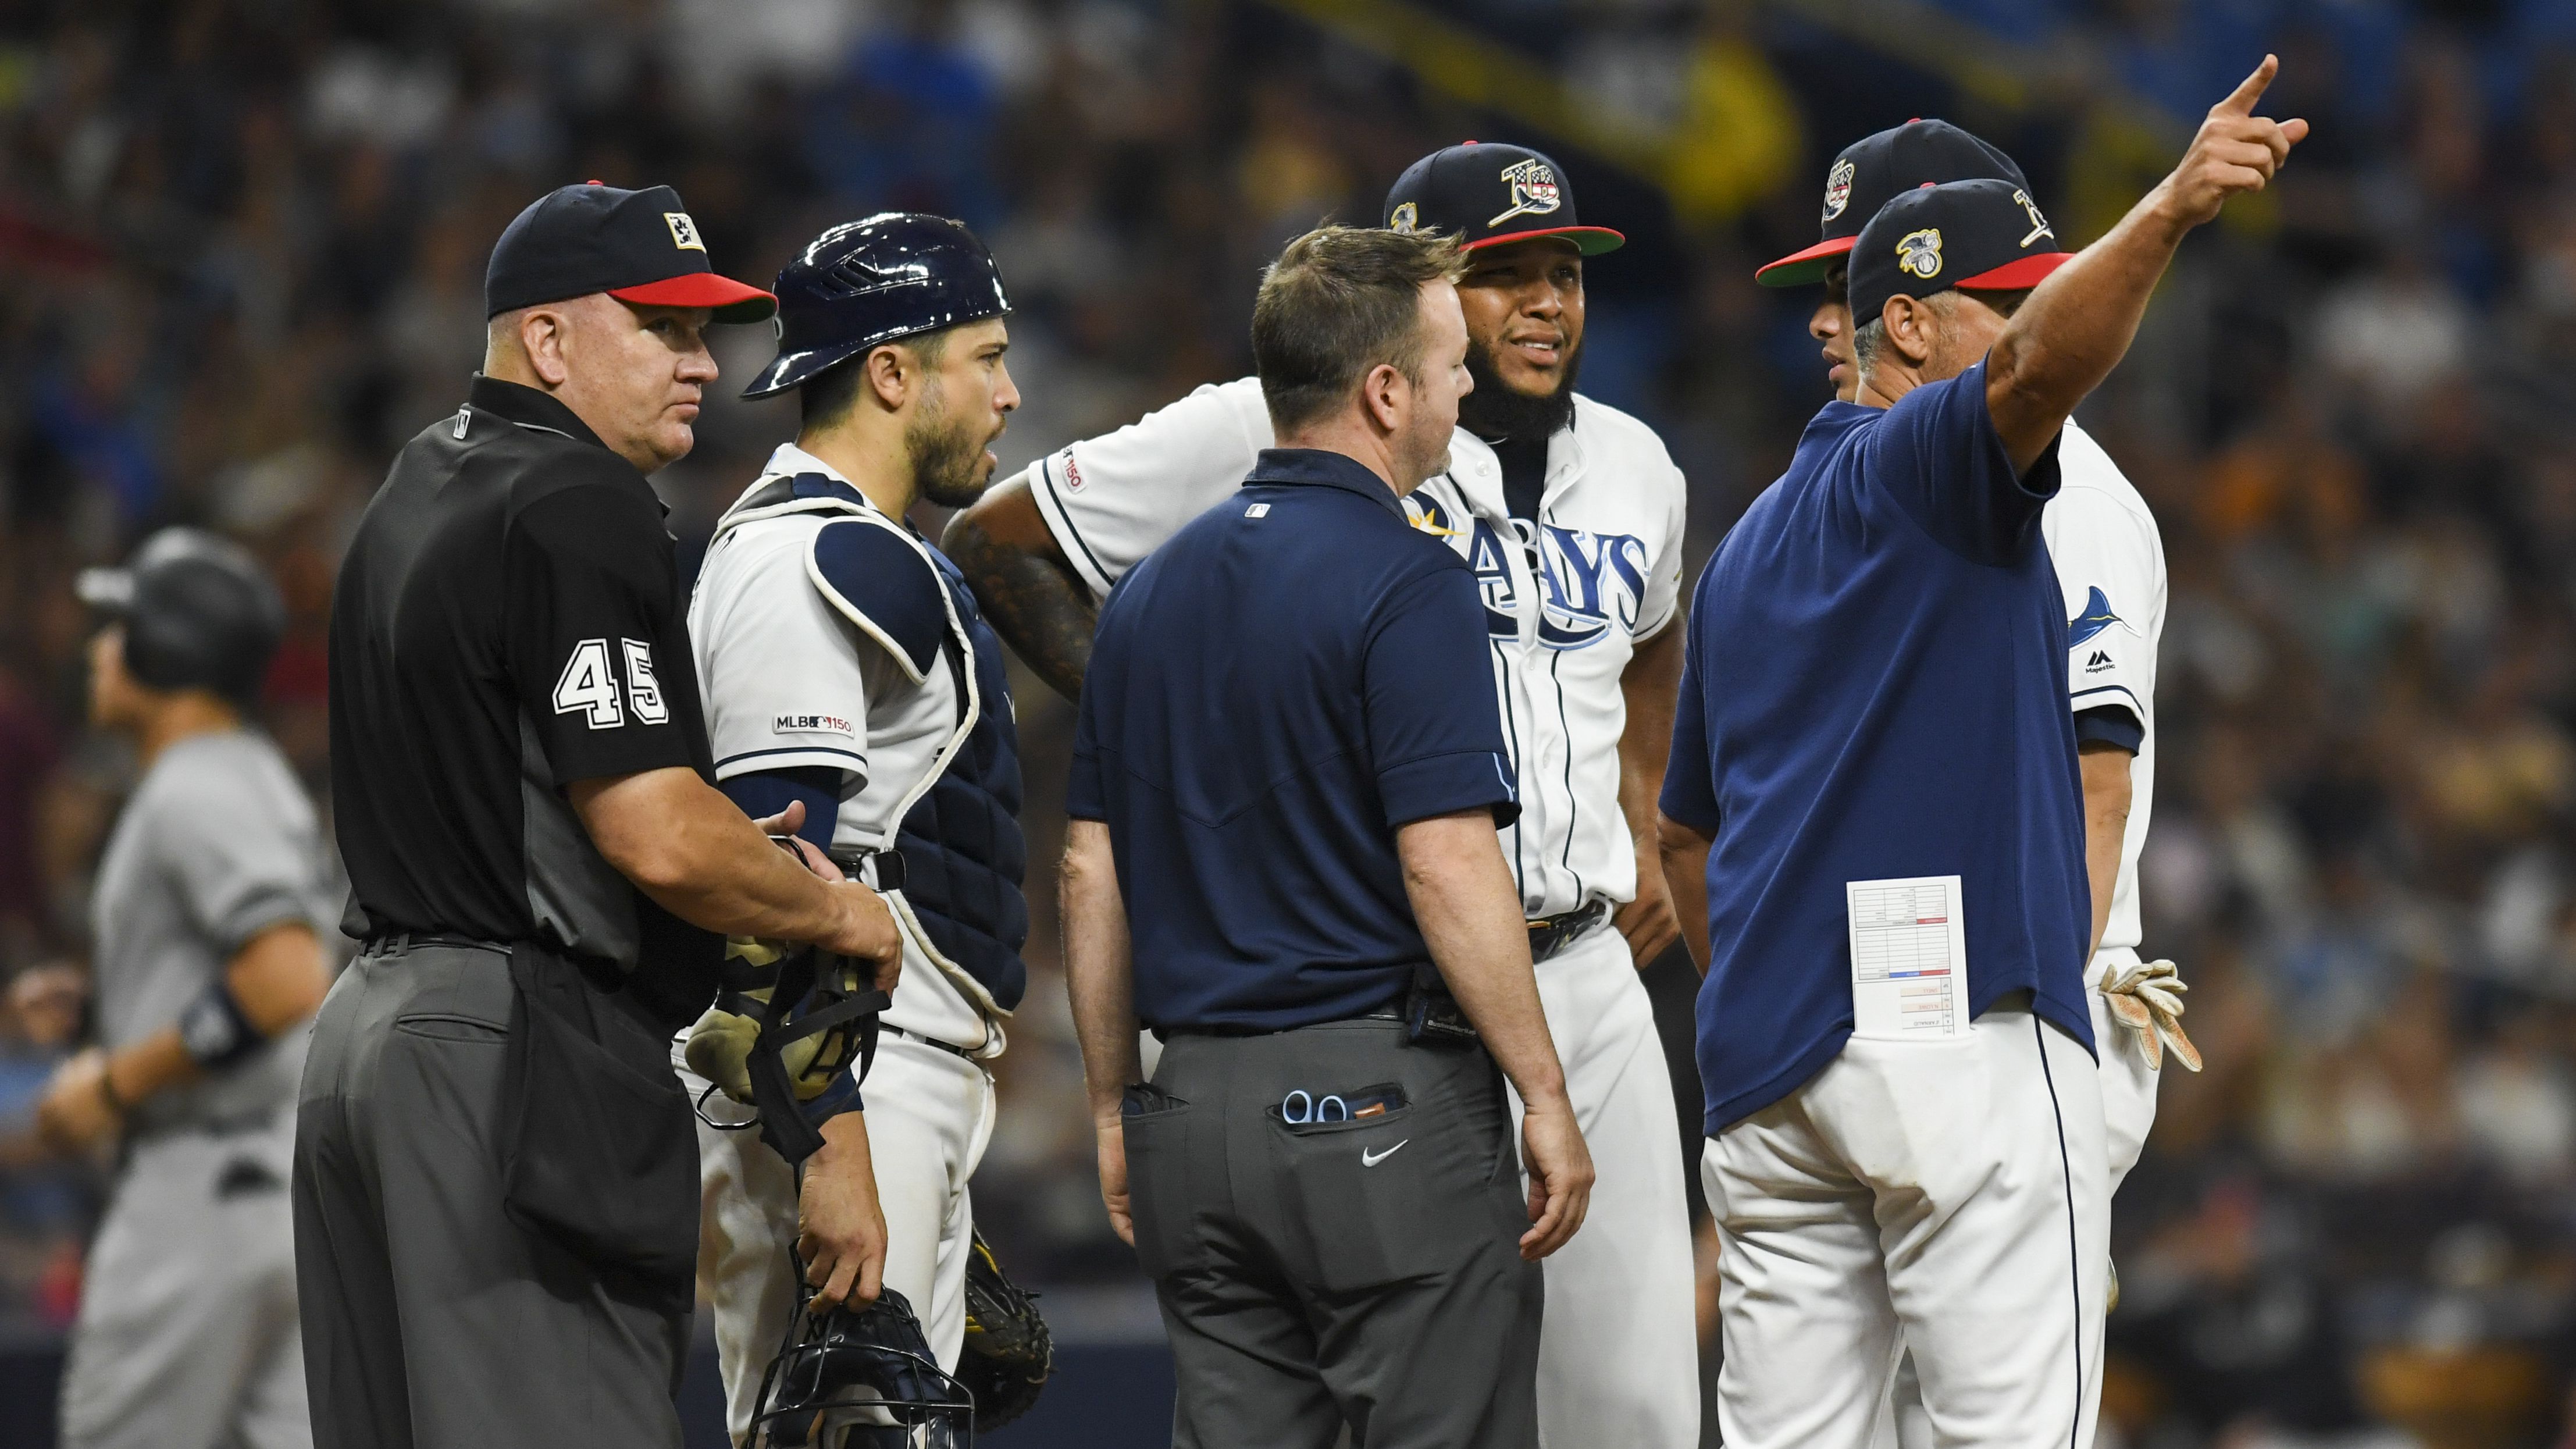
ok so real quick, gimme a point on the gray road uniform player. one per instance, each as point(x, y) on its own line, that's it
point(187, 1332)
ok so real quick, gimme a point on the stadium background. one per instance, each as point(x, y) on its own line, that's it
point(243, 246)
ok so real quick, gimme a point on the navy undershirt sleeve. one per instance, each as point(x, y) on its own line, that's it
point(767, 792)
point(2110, 724)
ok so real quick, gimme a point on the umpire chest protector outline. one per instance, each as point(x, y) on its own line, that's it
point(954, 825)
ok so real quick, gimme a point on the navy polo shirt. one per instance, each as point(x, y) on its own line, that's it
point(1271, 693)
point(1875, 687)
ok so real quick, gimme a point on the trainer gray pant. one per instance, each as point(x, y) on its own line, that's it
point(431, 1320)
point(1365, 1273)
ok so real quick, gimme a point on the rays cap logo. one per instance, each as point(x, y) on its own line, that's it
point(1968, 236)
point(1870, 172)
point(1486, 194)
point(637, 246)
point(1838, 185)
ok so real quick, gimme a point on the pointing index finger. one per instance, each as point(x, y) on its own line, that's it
point(2240, 102)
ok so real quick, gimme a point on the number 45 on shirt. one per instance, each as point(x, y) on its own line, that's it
point(588, 686)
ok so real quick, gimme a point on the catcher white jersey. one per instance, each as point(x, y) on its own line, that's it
point(2111, 563)
point(1566, 601)
point(793, 677)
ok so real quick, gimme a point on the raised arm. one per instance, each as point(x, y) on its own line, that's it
point(1470, 912)
point(1024, 583)
point(2078, 324)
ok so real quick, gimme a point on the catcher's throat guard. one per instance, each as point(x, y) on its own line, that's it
point(860, 1378)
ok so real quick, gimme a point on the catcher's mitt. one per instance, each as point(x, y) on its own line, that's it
point(1008, 1350)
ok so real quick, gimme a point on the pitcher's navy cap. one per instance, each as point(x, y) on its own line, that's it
point(637, 246)
point(1875, 168)
point(1965, 236)
point(1486, 194)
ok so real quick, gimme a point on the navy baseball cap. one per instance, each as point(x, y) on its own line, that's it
point(1486, 194)
point(1875, 168)
point(637, 246)
point(1960, 236)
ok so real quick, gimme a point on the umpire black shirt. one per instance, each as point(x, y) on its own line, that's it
point(510, 618)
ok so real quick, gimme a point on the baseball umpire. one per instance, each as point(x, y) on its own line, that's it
point(2110, 562)
point(846, 669)
point(1571, 515)
point(208, 960)
point(495, 1169)
point(1283, 858)
point(1875, 786)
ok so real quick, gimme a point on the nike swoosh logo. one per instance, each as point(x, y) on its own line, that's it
point(1372, 1159)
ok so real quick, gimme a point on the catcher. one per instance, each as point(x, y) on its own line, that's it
point(852, 688)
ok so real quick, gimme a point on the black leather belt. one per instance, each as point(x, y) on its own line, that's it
point(929, 1041)
point(1551, 934)
point(397, 942)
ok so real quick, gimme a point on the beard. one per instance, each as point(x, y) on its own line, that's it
point(1497, 411)
point(947, 457)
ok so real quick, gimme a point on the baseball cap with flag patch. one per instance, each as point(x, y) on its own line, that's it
point(1486, 194)
point(1875, 168)
point(1970, 236)
point(637, 246)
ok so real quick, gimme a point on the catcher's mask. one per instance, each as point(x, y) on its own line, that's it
point(860, 1378)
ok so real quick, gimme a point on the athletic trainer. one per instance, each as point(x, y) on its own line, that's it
point(1875, 783)
point(496, 1172)
point(206, 921)
point(1570, 515)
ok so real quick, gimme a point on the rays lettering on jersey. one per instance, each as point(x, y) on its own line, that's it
point(1588, 582)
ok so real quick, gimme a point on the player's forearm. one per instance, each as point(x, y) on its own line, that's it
point(1649, 687)
point(279, 977)
point(1685, 854)
point(154, 1064)
point(2106, 825)
point(700, 858)
point(1469, 910)
point(1025, 587)
point(1099, 968)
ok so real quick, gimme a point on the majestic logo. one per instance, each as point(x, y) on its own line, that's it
point(1838, 184)
point(2097, 616)
point(2100, 661)
point(1534, 190)
point(684, 232)
point(1920, 253)
point(2038, 223)
point(1407, 219)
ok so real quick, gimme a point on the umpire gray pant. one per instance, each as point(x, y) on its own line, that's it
point(431, 1320)
point(1363, 1272)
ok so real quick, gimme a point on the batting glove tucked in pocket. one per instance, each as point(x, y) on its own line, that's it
point(2147, 1000)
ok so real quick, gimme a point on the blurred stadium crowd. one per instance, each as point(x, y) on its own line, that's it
point(245, 240)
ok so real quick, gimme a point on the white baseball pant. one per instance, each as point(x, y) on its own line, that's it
point(929, 1115)
point(1955, 1193)
point(1618, 1358)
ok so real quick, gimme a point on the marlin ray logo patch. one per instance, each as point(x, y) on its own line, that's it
point(2097, 616)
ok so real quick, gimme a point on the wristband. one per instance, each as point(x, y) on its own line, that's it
point(215, 1031)
point(842, 1096)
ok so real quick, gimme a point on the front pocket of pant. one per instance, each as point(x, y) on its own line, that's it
point(1160, 1202)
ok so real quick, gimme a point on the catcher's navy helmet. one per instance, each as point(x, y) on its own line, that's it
point(860, 1378)
point(199, 613)
point(867, 282)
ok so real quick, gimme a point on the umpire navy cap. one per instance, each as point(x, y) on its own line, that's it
point(637, 246)
point(872, 281)
point(1875, 168)
point(1485, 194)
point(1963, 236)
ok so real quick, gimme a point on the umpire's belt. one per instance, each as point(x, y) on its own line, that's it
point(1551, 934)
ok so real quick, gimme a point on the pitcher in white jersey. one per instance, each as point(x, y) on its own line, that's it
point(1571, 514)
point(845, 669)
point(2111, 565)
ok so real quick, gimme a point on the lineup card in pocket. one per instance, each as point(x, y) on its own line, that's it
point(1909, 958)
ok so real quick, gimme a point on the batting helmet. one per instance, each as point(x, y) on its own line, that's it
point(867, 282)
point(860, 1378)
point(199, 613)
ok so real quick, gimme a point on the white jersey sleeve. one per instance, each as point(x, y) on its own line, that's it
point(783, 687)
point(1664, 584)
point(2110, 564)
point(1113, 499)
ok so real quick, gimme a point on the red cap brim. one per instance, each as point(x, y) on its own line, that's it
point(2016, 274)
point(1806, 268)
point(730, 300)
point(1591, 241)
